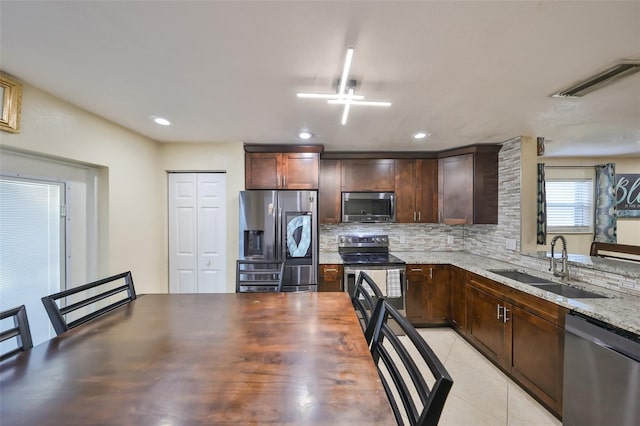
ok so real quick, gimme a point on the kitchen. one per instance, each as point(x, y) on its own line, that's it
point(134, 168)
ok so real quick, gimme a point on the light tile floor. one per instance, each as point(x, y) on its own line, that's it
point(481, 394)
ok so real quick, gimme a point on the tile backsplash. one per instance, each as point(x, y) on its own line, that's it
point(402, 237)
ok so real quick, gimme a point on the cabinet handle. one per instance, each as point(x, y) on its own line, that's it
point(330, 270)
point(416, 269)
point(284, 181)
point(440, 217)
point(499, 314)
point(414, 216)
point(430, 273)
point(419, 217)
point(505, 317)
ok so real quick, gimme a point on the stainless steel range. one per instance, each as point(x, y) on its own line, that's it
point(370, 253)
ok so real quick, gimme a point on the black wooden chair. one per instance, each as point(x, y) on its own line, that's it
point(403, 365)
point(98, 298)
point(259, 276)
point(20, 331)
point(364, 298)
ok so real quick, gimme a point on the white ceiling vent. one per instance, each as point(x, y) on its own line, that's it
point(604, 78)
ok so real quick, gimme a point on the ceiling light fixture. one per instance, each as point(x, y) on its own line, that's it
point(346, 92)
point(161, 121)
point(421, 135)
point(305, 135)
point(604, 78)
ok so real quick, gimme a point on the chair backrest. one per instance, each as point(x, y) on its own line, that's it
point(364, 298)
point(262, 276)
point(405, 377)
point(20, 331)
point(97, 298)
point(615, 251)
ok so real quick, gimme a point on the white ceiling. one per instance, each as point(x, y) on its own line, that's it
point(467, 72)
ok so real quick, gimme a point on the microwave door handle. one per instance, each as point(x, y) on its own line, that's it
point(393, 206)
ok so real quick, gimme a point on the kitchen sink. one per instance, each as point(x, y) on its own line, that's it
point(547, 285)
point(568, 291)
point(519, 276)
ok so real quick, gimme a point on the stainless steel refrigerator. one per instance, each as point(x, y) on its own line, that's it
point(282, 226)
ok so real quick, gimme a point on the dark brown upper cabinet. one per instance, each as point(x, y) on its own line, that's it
point(416, 187)
point(289, 170)
point(468, 187)
point(329, 196)
point(368, 175)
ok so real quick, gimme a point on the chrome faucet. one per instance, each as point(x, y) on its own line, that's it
point(564, 273)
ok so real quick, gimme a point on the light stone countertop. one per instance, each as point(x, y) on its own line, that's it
point(618, 309)
point(622, 267)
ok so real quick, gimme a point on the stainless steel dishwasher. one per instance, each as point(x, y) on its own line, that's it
point(601, 374)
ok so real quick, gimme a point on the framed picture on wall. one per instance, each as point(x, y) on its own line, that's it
point(11, 94)
point(628, 195)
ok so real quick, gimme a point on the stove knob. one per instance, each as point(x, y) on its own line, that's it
point(349, 240)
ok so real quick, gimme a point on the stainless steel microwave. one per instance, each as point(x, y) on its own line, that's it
point(369, 207)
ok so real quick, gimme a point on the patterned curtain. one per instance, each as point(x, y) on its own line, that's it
point(606, 221)
point(541, 228)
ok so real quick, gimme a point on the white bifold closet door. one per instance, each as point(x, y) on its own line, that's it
point(197, 233)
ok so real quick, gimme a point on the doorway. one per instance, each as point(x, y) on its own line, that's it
point(197, 232)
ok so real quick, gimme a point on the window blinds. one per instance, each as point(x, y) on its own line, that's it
point(569, 205)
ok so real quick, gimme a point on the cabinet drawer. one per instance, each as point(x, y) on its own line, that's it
point(417, 271)
point(330, 277)
point(330, 269)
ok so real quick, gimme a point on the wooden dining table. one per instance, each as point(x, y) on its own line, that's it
point(215, 359)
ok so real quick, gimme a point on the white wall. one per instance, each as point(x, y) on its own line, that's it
point(130, 232)
point(227, 157)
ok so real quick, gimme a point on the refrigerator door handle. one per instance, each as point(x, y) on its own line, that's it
point(280, 235)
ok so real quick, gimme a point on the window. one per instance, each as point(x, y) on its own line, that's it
point(569, 205)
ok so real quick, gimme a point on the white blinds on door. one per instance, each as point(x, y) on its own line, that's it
point(30, 248)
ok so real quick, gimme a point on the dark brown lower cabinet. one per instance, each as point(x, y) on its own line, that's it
point(486, 328)
point(427, 296)
point(330, 277)
point(537, 356)
point(522, 334)
point(457, 299)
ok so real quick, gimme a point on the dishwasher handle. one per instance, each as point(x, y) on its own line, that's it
point(604, 335)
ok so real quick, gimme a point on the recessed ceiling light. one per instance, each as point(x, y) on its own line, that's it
point(421, 135)
point(161, 121)
point(305, 135)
